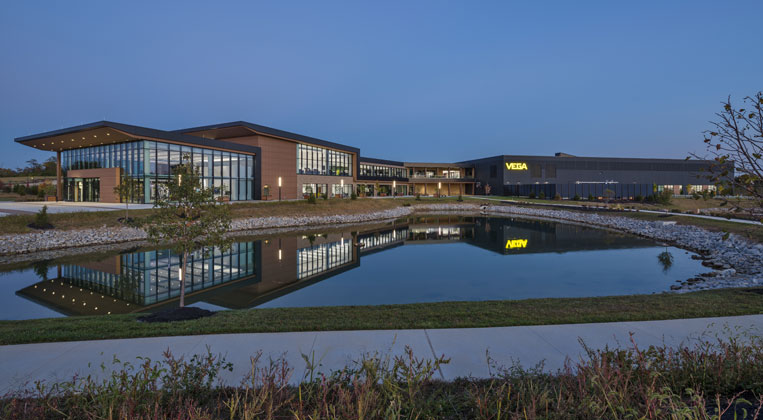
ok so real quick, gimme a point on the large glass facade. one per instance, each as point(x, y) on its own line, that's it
point(379, 171)
point(313, 160)
point(230, 174)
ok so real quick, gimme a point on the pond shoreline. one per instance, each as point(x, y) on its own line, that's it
point(737, 262)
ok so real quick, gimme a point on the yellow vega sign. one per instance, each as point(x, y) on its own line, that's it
point(516, 243)
point(516, 166)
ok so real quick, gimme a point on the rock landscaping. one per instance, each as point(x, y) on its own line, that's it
point(736, 261)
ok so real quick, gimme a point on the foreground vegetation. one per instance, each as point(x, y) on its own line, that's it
point(713, 379)
point(713, 303)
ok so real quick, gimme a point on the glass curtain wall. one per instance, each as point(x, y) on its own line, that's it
point(313, 160)
point(230, 174)
point(379, 171)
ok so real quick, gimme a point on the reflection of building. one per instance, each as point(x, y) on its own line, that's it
point(145, 280)
point(252, 273)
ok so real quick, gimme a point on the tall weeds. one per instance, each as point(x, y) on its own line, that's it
point(711, 379)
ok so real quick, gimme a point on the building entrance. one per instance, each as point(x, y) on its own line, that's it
point(82, 189)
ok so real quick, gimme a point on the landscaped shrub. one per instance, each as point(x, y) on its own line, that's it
point(19, 189)
point(590, 197)
point(353, 196)
point(531, 195)
point(702, 381)
point(542, 195)
point(639, 198)
point(33, 190)
point(41, 220)
point(664, 197)
point(325, 196)
point(576, 198)
point(557, 197)
point(311, 199)
point(418, 197)
point(460, 198)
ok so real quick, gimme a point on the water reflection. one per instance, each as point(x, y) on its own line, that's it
point(256, 272)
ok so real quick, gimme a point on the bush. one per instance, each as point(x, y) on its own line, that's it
point(19, 189)
point(353, 196)
point(460, 198)
point(531, 195)
point(406, 204)
point(33, 190)
point(639, 198)
point(311, 199)
point(590, 197)
point(41, 220)
point(418, 197)
point(325, 196)
point(542, 195)
point(690, 381)
point(557, 197)
point(576, 198)
point(664, 197)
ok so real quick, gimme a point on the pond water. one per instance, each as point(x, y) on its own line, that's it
point(418, 259)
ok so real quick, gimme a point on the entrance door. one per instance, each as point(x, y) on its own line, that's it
point(78, 187)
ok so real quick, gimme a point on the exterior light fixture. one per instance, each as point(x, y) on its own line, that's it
point(394, 189)
point(279, 188)
point(279, 255)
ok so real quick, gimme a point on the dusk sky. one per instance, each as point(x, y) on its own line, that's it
point(409, 80)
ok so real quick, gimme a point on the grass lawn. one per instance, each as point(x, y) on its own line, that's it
point(80, 220)
point(713, 303)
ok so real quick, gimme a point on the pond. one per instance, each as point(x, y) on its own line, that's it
point(412, 260)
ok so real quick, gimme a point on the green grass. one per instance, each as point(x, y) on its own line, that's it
point(728, 302)
point(81, 220)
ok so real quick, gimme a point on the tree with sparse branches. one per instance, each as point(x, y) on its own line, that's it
point(126, 190)
point(188, 218)
point(735, 144)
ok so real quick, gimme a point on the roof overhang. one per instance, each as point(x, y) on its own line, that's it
point(242, 129)
point(107, 132)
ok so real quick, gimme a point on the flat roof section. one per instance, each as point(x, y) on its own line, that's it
point(568, 158)
point(438, 165)
point(108, 132)
point(261, 129)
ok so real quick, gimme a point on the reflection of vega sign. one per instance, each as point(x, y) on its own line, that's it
point(516, 166)
point(516, 243)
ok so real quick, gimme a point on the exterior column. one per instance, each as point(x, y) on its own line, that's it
point(59, 182)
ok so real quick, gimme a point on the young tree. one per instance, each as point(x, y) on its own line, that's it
point(127, 188)
point(735, 144)
point(188, 217)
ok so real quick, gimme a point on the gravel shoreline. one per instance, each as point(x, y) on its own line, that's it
point(736, 261)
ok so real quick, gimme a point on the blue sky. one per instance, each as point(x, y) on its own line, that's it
point(408, 80)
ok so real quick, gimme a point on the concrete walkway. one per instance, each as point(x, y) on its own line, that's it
point(21, 365)
point(31, 207)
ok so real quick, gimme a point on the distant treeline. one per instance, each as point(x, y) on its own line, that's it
point(33, 168)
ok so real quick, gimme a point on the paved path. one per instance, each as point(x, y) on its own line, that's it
point(467, 347)
point(31, 207)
